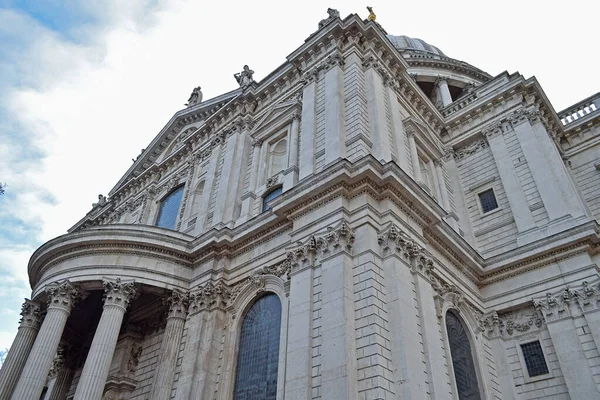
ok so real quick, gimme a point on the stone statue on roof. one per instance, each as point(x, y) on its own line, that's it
point(101, 201)
point(195, 97)
point(244, 78)
point(333, 14)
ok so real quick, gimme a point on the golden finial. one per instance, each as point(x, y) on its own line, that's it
point(372, 16)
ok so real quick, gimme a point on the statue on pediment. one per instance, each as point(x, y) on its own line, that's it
point(333, 14)
point(101, 201)
point(195, 97)
point(244, 78)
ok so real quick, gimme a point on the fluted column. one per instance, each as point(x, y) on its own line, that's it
point(443, 91)
point(63, 372)
point(414, 156)
point(169, 348)
point(19, 351)
point(117, 296)
point(61, 297)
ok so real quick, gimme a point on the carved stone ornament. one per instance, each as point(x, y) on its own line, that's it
point(57, 364)
point(512, 322)
point(333, 14)
point(101, 201)
point(491, 324)
point(119, 293)
point(569, 301)
point(338, 238)
point(394, 240)
point(211, 296)
point(31, 314)
point(284, 268)
point(470, 149)
point(134, 357)
point(445, 293)
point(272, 181)
point(493, 129)
point(178, 303)
point(63, 295)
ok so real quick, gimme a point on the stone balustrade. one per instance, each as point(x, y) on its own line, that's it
point(591, 105)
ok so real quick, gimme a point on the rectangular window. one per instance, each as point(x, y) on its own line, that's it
point(488, 201)
point(534, 359)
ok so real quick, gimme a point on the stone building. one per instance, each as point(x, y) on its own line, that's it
point(372, 220)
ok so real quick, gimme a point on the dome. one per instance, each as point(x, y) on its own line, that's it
point(407, 43)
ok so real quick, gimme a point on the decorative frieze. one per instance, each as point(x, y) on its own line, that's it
point(470, 149)
point(569, 301)
point(511, 323)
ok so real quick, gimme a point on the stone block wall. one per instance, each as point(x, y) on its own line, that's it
point(147, 365)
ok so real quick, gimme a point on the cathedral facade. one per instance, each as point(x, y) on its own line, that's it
point(372, 220)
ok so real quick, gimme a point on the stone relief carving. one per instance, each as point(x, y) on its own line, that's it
point(134, 357)
point(211, 296)
point(511, 323)
point(195, 97)
point(470, 149)
point(244, 78)
point(272, 181)
point(338, 238)
point(333, 14)
point(569, 301)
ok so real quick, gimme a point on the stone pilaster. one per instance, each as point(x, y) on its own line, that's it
point(117, 296)
point(414, 156)
point(309, 128)
point(557, 310)
point(514, 191)
point(61, 297)
point(291, 173)
point(335, 145)
point(31, 317)
point(165, 371)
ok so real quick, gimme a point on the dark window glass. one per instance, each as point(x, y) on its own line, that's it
point(488, 200)
point(273, 194)
point(462, 359)
point(258, 355)
point(534, 359)
point(169, 208)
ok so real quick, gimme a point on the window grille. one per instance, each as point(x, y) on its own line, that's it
point(488, 201)
point(534, 359)
point(462, 359)
point(258, 355)
point(169, 209)
point(272, 195)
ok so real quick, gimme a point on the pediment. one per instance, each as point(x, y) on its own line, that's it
point(273, 116)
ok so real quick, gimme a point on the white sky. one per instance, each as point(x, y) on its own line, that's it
point(90, 108)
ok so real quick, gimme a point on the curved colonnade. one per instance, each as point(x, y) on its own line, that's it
point(94, 283)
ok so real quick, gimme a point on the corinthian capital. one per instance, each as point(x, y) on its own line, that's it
point(31, 314)
point(63, 295)
point(178, 303)
point(119, 293)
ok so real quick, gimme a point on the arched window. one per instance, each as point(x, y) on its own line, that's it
point(169, 209)
point(462, 359)
point(273, 194)
point(258, 355)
